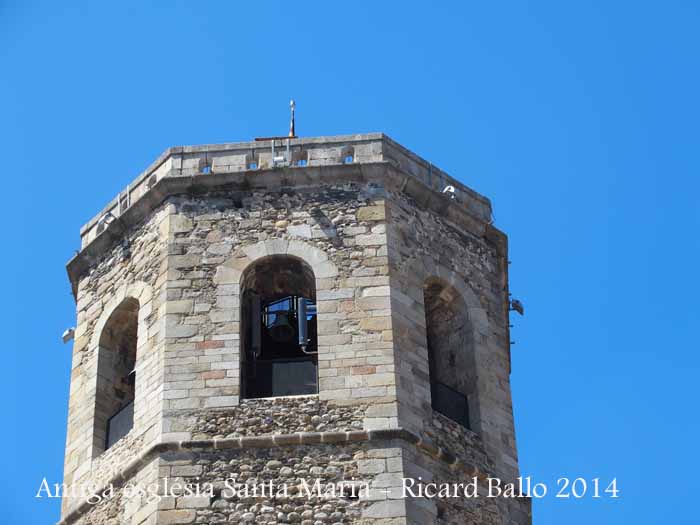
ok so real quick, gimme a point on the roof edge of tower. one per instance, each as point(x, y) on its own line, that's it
point(273, 163)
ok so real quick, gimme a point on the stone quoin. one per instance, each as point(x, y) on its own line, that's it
point(287, 311)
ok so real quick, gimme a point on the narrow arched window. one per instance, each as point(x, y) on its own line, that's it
point(451, 359)
point(279, 339)
point(116, 376)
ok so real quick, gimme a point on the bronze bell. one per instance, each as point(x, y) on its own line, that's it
point(281, 329)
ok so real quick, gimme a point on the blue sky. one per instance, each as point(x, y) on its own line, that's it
point(579, 121)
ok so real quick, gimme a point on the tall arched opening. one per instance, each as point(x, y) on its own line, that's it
point(278, 328)
point(116, 375)
point(451, 353)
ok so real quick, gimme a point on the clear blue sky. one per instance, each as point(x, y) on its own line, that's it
point(580, 122)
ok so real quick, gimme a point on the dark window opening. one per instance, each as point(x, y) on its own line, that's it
point(450, 403)
point(450, 353)
point(280, 335)
point(116, 376)
point(120, 424)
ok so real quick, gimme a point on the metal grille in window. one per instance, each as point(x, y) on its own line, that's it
point(120, 424)
point(451, 403)
point(282, 358)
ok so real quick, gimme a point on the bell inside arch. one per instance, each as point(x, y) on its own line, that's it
point(282, 329)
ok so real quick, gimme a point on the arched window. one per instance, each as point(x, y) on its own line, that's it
point(278, 335)
point(116, 376)
point(451, 357)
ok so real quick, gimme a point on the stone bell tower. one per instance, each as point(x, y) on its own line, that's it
point(309, 313)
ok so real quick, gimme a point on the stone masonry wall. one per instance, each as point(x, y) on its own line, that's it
point(422, 246)
point(340, 232)
point(460, 441)
point(135, 269)
point(129, 501)
point(373, 470)
point(263, 417)
point(482, 510)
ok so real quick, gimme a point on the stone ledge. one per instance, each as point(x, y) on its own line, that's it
point(282, 440)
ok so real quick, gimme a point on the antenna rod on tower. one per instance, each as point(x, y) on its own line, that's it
point(292, 133)
point(292, 105)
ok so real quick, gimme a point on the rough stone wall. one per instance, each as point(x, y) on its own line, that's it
point(460, 441)
point(263, 417)
point(134, 268)
point(186, 255)
point(424, 246)
point(126, 505)
point(340, 232)
point(480, 510)
point(375, 467)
